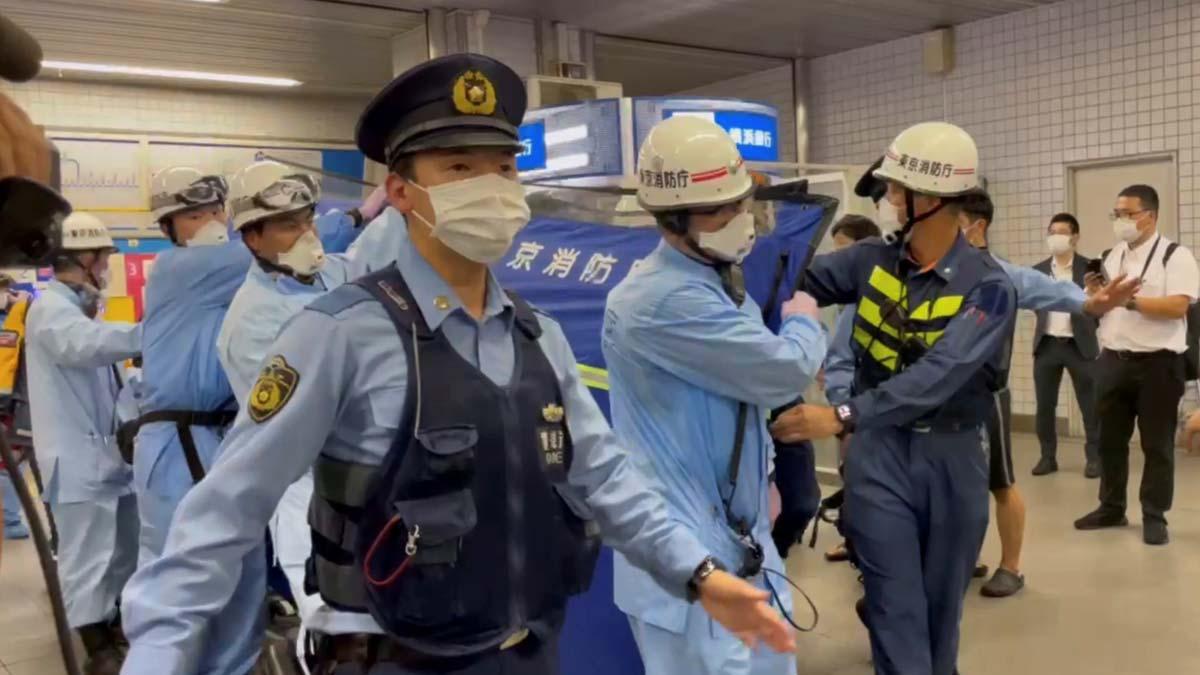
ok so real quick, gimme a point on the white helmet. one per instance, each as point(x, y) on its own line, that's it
point(689, 161)
point(85, 232)
point(266, 189)
point(933, 158)
point(182, 188)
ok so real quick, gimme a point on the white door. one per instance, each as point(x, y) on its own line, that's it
point(1092, 189)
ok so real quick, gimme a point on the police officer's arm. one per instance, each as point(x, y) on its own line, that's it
point(626, 502)
point(839, 363)
point(971, 339)
point(76, 341)
point(698, 335)
point(168, 603)
point(337, 230)
point(833, 278)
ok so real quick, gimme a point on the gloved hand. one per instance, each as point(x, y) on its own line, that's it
point(801, 304)
point(374, 204)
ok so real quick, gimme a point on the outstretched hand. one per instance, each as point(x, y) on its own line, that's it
point(745, 611)
point(1104, 298)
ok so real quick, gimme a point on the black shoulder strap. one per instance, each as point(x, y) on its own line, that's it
point(525, 318)
point(1170, 250)
point(389, 288)
point(735, 463)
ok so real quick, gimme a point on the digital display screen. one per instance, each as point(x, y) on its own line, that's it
point(533, 147)
point(754, 127)
point(581, 139)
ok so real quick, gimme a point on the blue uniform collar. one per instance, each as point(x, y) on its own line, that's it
point(948, 266)
point(676, 259)
point(434, 296)
point(59, 288)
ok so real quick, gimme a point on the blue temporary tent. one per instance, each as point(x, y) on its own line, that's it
point(567, 268)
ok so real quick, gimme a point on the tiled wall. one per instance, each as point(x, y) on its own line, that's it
point(773, 86)
point(91, 106)
point(1077, 80)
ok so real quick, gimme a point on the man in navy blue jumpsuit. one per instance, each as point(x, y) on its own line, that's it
point(932, 315)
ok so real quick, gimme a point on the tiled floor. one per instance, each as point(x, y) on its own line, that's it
point(1098, 603)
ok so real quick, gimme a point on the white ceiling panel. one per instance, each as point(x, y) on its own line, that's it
point(332, 48)
point(787, 28)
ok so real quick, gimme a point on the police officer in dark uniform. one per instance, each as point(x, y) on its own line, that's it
point(462, 471)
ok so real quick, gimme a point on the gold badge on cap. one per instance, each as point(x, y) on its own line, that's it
point(474, 94)
point(273, 389)
point(553, 413)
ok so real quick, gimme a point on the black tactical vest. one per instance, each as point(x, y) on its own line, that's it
point(460, 538)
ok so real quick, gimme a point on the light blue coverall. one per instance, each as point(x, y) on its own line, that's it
point(347, 403)
point(187, 295)
point(681, 356)
point(73, 395)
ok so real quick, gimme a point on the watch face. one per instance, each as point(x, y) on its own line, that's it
point(843, 412)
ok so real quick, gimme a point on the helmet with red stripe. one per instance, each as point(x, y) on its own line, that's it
point(932, 158)
point(689, 162)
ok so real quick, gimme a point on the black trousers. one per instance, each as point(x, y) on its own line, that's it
point(1141, 388)
point(1052, 357)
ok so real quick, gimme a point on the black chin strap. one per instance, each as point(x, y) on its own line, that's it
point(271, 267)
point(909, 208)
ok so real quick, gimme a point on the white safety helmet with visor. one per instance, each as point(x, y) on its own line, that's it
point(269, 189)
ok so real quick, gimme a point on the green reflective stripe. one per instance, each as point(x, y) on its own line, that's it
point(872, 313)
point(943, 307)
point(341, 482)
point(891, 287)
point(884, 355)
point(594, 378)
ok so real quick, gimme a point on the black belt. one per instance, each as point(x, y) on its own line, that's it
point(184, 420)
point(1141, 356)
point(368, 650)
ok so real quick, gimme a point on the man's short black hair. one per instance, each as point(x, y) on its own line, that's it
point(856, 227)
point(1147, 195)
point(1064, 218)
point(978, 205)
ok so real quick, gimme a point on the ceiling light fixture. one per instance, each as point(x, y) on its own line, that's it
point(139, 71)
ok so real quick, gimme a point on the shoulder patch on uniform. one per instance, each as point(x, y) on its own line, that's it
point(273, 389)
point(993, 299)
point(340, 299)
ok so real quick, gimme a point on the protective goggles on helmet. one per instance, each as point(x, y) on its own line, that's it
point(286, 194)
point(207, 190)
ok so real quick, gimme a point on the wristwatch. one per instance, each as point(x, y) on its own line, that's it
point(1131, 304)
point(703, 571)
point(847, 416)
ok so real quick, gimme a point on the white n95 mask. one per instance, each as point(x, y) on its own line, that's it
point(731, 243)
point(306, 257)
point(1125, 229)
point(477, 217)
point(1058, 244)
point(212, 233)
point(889, 216)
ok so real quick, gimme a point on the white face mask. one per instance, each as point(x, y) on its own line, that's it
point(477, 217)
point(306, 257)
point(889, 217)
point(1125, 229)
point(731, 243)
point(213, 233)
point(1058, 244)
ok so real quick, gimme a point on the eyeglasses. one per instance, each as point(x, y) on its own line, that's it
point(1120, 215)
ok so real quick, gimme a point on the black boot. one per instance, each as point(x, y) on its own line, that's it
point(103, 655)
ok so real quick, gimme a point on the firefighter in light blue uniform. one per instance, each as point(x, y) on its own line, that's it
point(337, 390)
point(692, 371)
point(932, 317)
point(187, 402)
point(290, 271)
point(73, 385)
